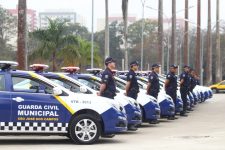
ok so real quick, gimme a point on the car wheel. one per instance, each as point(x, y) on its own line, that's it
point(215, 90)
point(84, 129)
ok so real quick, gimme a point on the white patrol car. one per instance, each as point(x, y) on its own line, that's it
point(43, 107)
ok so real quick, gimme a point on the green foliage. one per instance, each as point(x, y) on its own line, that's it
point(7, 32)
point(63, 45)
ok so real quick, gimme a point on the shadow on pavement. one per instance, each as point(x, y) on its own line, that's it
point(46, 141)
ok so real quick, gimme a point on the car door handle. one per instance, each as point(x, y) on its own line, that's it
point(18, 99)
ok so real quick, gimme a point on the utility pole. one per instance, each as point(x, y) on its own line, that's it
point(142, 32)
point(106, 29)
point(125, 15)
point(218, 51)
point(173, 51)
point(92, 36)
point(160, 35)
point(209, 48)
point(22, 27)
point(198, 44)
point(186, 35)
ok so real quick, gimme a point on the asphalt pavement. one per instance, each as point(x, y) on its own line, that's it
point(203, 129)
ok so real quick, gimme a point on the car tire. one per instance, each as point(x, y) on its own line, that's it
point(215, 91)
point(84, 129)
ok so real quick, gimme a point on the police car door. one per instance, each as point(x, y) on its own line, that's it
point(5, 103)
point(34, 104)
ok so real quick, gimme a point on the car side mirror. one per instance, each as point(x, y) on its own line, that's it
point(57, 91)
point(83, 89)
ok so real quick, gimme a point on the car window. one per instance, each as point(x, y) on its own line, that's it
point(222, 83)
point(2, 83)
point(68, 85)
point(95, 85)
point(120, 85)
point(30, 85)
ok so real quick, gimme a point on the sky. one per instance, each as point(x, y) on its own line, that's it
point(83, 7)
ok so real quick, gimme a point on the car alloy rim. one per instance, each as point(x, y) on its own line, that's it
point(85, 130)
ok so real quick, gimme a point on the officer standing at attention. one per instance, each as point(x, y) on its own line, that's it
point(171, 85)
point(132, 88)
point(153, 81)
point(108, 86)
point(184, 88)
point(193, 84)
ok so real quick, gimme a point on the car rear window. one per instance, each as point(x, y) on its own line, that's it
point(2, 82)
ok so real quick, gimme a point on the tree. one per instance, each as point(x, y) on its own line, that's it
point(7, 32)
point(116, 40)
point(52, 40)
point(22, 27)
point(77, 30)
point(134, 31)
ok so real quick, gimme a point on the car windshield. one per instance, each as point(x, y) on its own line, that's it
point(67, 84)
point(93, 84)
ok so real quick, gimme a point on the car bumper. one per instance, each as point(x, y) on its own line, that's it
point(134, 116)
point(167, 108)
point(151, 111)
point(114, 121)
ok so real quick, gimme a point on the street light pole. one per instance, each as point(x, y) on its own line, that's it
point(92, 36)
point(142, 33)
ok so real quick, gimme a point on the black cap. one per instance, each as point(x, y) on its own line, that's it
point(186, 66)
point(156, 66)
point(109, 60)
point(134, 63)
point(173, 66)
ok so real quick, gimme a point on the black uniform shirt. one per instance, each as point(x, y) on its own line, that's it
point(185, 76)
point(153, 78)
point(108, 79)
point(131, 76)
point(172, 86)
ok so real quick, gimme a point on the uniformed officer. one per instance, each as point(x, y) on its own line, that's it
point(153, 81)
point(108, 86)
point(193, 82)
point(171, 85)
point(132, 88)
point(184, 88)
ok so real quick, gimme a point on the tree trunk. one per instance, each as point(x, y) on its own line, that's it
point(173, 51)
point(160, 35)
point(21, 41)
point(209, 48)
point(198, 44)
point(53, 61)
point(218, 51)
point(186, 35)
point(106, 29)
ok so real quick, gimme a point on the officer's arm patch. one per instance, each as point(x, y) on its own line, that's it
point(105, 78)
point(129, 77)
point(168, 76)
point(151, 77)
